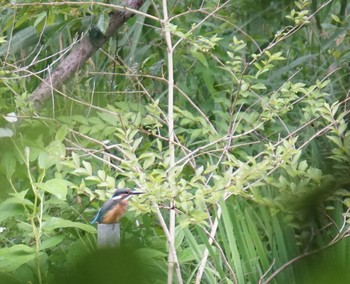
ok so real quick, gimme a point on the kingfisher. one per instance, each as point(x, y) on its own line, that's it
point(114, 208)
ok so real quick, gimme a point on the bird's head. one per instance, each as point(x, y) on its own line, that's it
point(124, 193)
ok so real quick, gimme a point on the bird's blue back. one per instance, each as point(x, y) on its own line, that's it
point(108, 205)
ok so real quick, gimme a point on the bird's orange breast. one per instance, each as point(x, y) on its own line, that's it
point(115, 213)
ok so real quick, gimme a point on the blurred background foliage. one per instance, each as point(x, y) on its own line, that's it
point(261, 129)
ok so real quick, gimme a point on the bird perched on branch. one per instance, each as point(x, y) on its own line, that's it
point(114, 208)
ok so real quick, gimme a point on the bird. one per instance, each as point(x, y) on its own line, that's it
point(113, 209)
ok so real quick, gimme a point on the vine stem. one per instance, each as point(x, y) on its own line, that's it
point(172, 258)
point(36, 230)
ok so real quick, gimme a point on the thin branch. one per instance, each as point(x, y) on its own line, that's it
point(204, 259)
point(290, 32)
point(172, 259)
point(267, 271)
point(224, 258)
point(201, 22)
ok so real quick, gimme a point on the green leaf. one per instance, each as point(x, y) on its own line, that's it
point(23, 38)
point(51, 242)
point(303, 166)
point(8, 163)
point(19, 198)
point(137, 143)
point(88, 167)
point(10, 209)
point(148, 162)
point(336, 18)
point(150, 253)
point(58, 223)
point(200, 57)
point(187, 254)
point(82, 171)
point(102, 175)
point(52, 154)
point(259, 86)
point(93, 178)
point(102, 23)
point(12, 258)
point(76, 159)
point(39, 18)
point(57, 187)
point(61, 133)
point(336, 140)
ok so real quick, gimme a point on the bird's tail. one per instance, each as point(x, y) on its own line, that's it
point(97, 217)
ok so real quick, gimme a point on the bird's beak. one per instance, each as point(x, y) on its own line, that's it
point(137, 192)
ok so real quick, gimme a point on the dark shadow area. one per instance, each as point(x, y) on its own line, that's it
point(329, 266)
point(117, 265)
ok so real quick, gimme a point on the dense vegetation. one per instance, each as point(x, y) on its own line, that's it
point(232, 116)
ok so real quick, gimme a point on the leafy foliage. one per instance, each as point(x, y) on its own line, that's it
point(261, 136)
